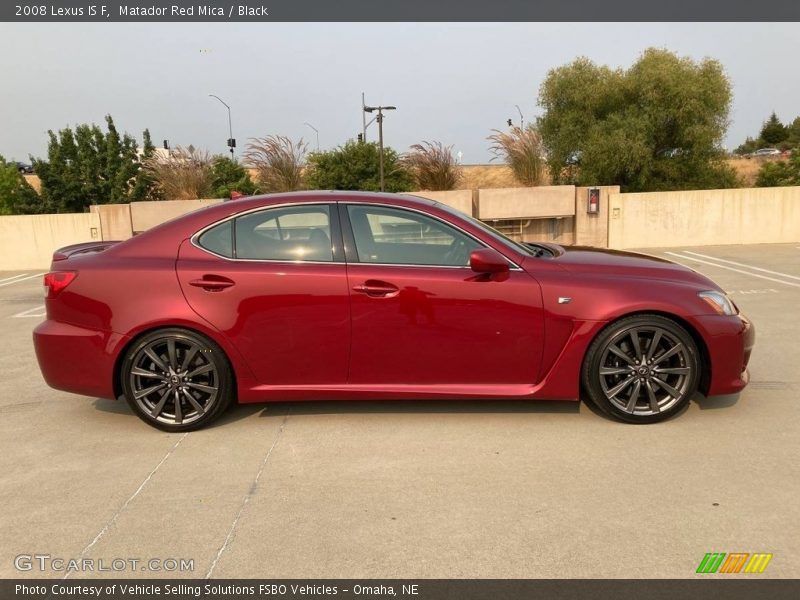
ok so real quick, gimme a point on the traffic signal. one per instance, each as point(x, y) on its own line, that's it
point(231, 142)
point(509, 122)
point(360, 138)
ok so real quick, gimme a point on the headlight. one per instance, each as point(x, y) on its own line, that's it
point(719, 302)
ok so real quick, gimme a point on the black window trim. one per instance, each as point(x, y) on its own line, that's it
point(351, 254)
point(335, 225)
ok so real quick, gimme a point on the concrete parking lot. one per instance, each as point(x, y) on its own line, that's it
point(414, 489)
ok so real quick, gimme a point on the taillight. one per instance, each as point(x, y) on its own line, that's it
point(56, 281)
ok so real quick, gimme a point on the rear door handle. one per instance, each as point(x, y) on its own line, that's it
point(212, 283)
point(377, 289)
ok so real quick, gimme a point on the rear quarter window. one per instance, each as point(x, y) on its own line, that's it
point(218, 239)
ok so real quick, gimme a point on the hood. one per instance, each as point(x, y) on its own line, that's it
point(597, 261)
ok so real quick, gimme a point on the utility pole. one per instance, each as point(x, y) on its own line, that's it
point(315, 131)
point(379, 118)
point(231, 141)
point(363, 119)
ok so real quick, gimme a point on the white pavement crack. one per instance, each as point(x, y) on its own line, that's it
point(246, 498)
point(113, 519)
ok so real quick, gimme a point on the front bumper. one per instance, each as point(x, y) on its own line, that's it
point(729, 340)
point(76, 359)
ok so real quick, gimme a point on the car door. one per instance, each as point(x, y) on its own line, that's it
point(274, 282)
point(421, 316)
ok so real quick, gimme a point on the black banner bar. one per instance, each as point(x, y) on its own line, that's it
point(716, 586)
point(398, 10)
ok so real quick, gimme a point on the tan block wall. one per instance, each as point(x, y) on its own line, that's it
point(28, 241)
point(592, 229)
point(458, 199)
point(705, 217)
point(115, 220)
point(524, 203)
point(145, 215)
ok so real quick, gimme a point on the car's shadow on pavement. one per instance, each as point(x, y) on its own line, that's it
point(235, 413)
point(715, 402)
point(333, 407)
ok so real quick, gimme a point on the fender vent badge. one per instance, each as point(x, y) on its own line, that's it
point(564, 300)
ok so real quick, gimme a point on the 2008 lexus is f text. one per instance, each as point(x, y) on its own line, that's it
point(340, 295)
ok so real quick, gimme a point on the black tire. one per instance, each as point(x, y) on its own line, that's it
point(663, 372)
point(174, 364)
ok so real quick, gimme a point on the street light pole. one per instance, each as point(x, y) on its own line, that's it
point(521, 120)
point(379, 119)
point(231, 141)
point(315, 131)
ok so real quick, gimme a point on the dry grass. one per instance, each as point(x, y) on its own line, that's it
point(522, 149)
point(433, 166)
point(183, 174)
point(33, 181)
point(747, 168)
point(278, 163)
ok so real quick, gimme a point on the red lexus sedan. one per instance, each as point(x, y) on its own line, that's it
point(344, 295)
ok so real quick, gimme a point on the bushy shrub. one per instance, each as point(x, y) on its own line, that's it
point(17, 197)
point(230, 176)
point(356, 166)
point(780, 172)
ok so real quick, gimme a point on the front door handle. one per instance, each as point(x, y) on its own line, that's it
point(377, 289)
point(212, 283)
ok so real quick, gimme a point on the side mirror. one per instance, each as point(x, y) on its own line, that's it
point(487, 260)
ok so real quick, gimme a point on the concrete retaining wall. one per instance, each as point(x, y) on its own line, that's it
point(145, 215)
point(458, 199)
point(592, 229)
point(526, 203)
point(115, 220)
point(704, 217)
point(28, 241)
point(550, 213)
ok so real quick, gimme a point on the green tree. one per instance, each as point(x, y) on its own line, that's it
point(657, 125)
point(229, 176)
point(793, 134)
point(17, 197)
point(88, 166)
point(773, 132)
point(779, 173)
point(356, 166)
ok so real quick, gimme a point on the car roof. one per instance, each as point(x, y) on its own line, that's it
point(187, 224)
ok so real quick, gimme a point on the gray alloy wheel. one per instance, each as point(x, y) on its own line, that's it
point(176, 380)
point(642, 369)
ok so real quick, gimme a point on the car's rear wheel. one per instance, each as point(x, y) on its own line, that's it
point(176, 380)
point(642, 369)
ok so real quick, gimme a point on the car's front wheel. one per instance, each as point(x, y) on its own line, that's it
point(176, 380)
point(642, 369)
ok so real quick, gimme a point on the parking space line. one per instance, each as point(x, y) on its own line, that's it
point(713, 264)
point(14, 277)
point(733, 262)
point(250, 492)
point(23, 279)
point(36, 311)
point(113, 519)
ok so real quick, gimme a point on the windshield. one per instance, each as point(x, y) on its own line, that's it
point(492, 232)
